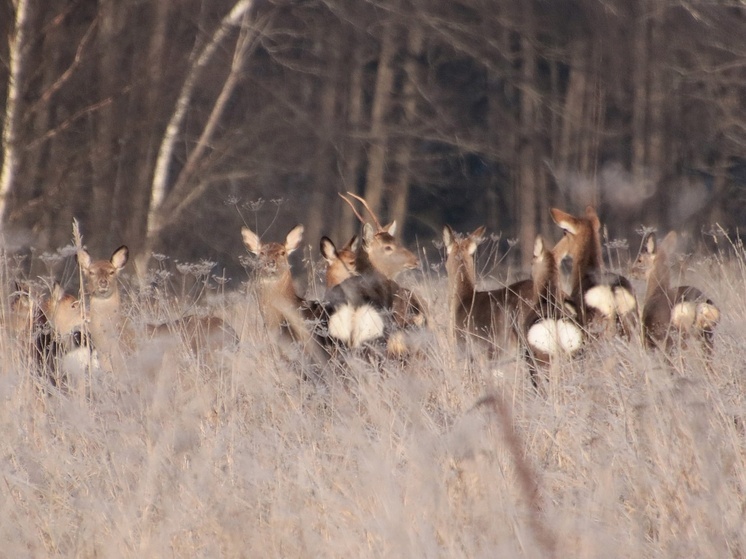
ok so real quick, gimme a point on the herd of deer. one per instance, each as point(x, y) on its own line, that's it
point(568, 300)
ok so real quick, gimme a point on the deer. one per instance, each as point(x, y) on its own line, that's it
point(49, 326)
point(605, 301)
point(69, 349)
point(669, 312)
point(493, 319)
point(113, 335)
point(551, 329)
point(369, 304)
point(340, 262)
point(288, 316)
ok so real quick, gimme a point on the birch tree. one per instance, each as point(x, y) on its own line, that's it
point(18, 49)
point(170, 197)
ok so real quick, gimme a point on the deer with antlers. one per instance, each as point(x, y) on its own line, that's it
point(605, 301)
point(493, 319)
point(368, 304)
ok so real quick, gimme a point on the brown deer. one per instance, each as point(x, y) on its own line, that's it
point(63, 312)
point(48, 327)
point(671, 312)
point(494, 319)
point(605, 301)
point(551, 328)
point(113, 336)
point(340, 262)
point(286, 315)
point(369, 304)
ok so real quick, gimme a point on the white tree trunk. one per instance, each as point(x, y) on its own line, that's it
point(159, 188)
point(12, 116)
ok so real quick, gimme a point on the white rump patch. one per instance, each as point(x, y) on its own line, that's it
point(683, 314)
point(356, 326)
point(555, 337)
point(601, 298)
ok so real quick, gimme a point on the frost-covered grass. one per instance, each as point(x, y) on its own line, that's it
point(624, 455)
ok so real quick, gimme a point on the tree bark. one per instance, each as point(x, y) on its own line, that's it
point(376, 176)
point(159, 188)
point(161, 196)
point(326, 95)
point(403, 156)
point(13, 106)
point(527, 160)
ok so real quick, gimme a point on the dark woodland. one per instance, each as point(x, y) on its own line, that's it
point(167, 125)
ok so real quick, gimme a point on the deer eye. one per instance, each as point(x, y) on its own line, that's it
point(388, 248)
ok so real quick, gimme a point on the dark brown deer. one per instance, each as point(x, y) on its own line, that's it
point(671, 313)
point(370, 305)
point(551, 328)
point(606, 302)
point(493, 319)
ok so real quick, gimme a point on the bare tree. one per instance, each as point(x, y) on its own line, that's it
point(168, 199)
point(13, 104)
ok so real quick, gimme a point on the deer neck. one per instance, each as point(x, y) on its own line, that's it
point(659, 277)
point(546, 281)
point(461, 283)
point(106, 322)
point(586, 259)
point(278, 300)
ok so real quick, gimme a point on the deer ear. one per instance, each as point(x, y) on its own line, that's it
point(650, 243)
point(448, 238)
point(353, 244)
point(564, 220)
point(592, 216)
point(368, 234)
point(294, 237)
point(57, 292)
point(120, 257)
point(538, 246)
point(328, 250)
point(478, 234)
point(251, 240)
point(670, 243)
point(84, 259)
point(391, 228)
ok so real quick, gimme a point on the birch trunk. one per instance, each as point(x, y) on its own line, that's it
point(159, 187)
point(11, 122)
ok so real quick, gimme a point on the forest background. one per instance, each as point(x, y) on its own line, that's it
point(166, 125)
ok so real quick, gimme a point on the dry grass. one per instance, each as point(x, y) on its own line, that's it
point(625, 455)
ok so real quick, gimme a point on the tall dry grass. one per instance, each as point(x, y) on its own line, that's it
point(625, 455)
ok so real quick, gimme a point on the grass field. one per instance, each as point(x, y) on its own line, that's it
point(625, 455)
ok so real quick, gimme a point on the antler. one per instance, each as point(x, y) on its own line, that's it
point(365, 205)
